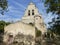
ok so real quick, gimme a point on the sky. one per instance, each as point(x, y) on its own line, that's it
point(16, 9)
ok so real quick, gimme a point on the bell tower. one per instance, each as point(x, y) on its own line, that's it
point(32, 16)
point(30, 12)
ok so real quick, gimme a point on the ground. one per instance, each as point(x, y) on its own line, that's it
point(47, 41)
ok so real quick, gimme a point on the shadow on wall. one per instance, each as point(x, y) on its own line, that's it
point(1, 35)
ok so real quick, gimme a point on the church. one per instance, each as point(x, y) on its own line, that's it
point(26, 27)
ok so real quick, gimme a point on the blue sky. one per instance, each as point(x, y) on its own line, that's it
point(16, 9)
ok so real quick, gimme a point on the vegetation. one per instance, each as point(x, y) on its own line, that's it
point(38, 32)
point(3, 6)
point(53, 6)
point(2, 24)
point(55, 25)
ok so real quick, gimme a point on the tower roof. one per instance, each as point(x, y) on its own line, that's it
point(31, 3)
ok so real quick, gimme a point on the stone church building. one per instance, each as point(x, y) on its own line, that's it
point(26, 28)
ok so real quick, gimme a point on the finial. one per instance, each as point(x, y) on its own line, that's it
point(31, 3)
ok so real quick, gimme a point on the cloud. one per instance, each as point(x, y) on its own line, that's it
point(12, 14)
point(16, 10)
point(20, 5)
point(12, 20)
point(3, 16)
point(8, 18)
point(36, 1)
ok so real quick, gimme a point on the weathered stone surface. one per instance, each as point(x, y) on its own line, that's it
point(25, 28)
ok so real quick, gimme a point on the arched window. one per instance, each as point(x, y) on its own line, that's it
point(32, 12)
point(28, 12)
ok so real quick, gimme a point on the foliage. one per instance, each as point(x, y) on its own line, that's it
point(38, 32)
point(55, 25)
point(2, 24)
point(53, 6)
point(3, 6)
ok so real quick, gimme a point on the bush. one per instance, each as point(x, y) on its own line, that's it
point(38, 32)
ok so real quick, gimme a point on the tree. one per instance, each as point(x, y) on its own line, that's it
point(2, 24)
point(38, 32)
point(53, 6)
point(55, 25)
point(3, 6)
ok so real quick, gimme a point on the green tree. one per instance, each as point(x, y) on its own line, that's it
point(55, 25)
point(53, 6)
point(3, 6)
point(2, 24)
point(38, 32)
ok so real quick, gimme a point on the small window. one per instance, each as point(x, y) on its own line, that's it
point(32, 12)
point(28, 12)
